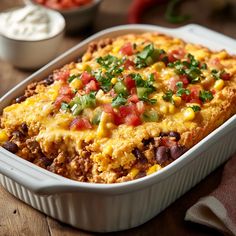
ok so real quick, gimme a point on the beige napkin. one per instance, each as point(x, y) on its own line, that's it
point(218, 210)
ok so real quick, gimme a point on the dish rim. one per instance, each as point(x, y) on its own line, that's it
point(58, 183)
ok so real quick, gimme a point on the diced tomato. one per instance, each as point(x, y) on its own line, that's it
point(133, 98)
point(60, 99)
point(126, 110)
point(61, 75)
point(86, 77)
point(184, 79)
point(193, 97)
point(225, 76)
point(63, 4)
point(128, 64)
point(172, 83)
point(176, 54)
point(80, 124)
point(213, 91)
point(127, 49)
point(66, 90)
point(92, 86)
point(133, 120)
point(166, 141)
point(108, 108)
point(129, 82)
point(133, 91)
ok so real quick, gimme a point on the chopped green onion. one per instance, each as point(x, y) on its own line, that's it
point(150, 116)
point(120, 88)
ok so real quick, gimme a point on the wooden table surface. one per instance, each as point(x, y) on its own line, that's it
point(17, 218)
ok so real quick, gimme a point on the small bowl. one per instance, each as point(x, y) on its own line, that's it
point(30, 53)
point(78, 18)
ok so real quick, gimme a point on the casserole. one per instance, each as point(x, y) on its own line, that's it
point(118, 203)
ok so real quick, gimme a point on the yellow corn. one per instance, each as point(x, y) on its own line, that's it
point(116, 49)
point(163, 109)
point(189, 114)
point(74, 71)
point(102, 130)
point(158, 66)
point(76, 84)
point(3, 136)
point(219, 84)
point(87, 56)
point(153, 169)
point(171, 108)
point(133, 172)
point(113, 80)
point(108, 150)
point(177, 100)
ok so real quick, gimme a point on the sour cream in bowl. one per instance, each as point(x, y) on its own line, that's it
point(30, 36)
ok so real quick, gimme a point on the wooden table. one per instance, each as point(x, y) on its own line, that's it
point(17, 218)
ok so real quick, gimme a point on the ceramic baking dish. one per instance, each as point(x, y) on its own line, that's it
point(113, 207)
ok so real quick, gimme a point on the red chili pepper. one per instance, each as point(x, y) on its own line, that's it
point(138, 7)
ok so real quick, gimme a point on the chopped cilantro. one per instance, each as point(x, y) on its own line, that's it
point(216, 74)
point(104, 80)
point(143, 94)
point(118, 101)
point(205, 96)
point(204, 66)
point(196, 108)
point(168, 96)
point(150, 116)
point(181, 90)
point(71, 78)
point(148, 56)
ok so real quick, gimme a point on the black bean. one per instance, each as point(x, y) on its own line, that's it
point(10, 146)
point(163, 134)
point(20, 99)
point(146, 142)
point(18, 134)
point(24, 128)
point(49, 80)
point(174, 134)
point(79, 59)
point(176, 151)
point(162, 154)
point(139, 155)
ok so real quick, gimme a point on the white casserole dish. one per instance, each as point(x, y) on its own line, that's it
point(113, 207)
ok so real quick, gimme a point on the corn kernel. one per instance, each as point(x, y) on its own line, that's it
point(171, 108)
point(74, 71)
point(76, 84)
point(153, 169)
point(116, 49)
point(108, 150)
point(133, 172)
point(102, 130)
point(177, 100)
point(189, 114)
point(219, 84)
point(158, 66)
point(163, 109)
point(3, 136)
point(87, 56)
point(113, 80)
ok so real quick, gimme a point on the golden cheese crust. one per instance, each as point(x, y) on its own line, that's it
point(127, 108)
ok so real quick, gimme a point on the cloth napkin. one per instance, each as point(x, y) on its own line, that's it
point(218, 210)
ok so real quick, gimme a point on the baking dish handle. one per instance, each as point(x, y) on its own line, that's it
point(24, 172)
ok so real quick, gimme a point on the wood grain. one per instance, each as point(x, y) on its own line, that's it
point(17, 218)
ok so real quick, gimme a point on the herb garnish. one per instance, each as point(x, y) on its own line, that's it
point(168, 96)
point(205, 96)
point(181, 90)
point(196, 108)
point(118, 101)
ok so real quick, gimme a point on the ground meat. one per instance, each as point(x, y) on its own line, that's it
point(101, 44)
point(30, 90)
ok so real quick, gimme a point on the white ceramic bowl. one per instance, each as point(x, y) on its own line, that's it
point(80, 17)
point(32, 54)
point(114, 207)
